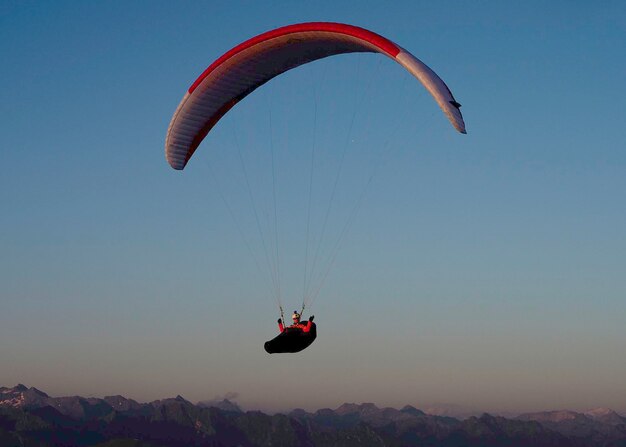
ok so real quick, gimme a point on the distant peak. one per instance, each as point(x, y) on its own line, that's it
point(552, 416)
point(595, 412)
point(486, 417)
point(410, 409)
point(38, 392)
point(353, 406)
point(349, 408)
point(605, 415)
point(116, 397)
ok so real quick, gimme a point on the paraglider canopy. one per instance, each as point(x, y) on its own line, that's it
point(244, 68)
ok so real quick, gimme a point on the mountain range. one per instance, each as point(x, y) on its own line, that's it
point(29, 417)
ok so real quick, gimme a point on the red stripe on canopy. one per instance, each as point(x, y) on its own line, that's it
point(385, 45)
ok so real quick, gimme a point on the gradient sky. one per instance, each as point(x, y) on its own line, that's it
point(486, 270)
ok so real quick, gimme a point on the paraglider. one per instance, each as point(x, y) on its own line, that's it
point(251, 64)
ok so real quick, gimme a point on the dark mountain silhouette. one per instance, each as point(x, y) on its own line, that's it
point(606, 416)
point(29, 417)
point(592, 426)
point(224, 404)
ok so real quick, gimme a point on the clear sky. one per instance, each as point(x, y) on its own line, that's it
point(483, 270)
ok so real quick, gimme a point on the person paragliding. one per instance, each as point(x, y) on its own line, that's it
point(297, 325)
point(294, 338)
point(250, 65)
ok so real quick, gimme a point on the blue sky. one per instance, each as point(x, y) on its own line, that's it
point(483, 270)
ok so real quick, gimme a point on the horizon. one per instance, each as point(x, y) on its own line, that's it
point(485, 270)
point(29, 414)
point(433, 409)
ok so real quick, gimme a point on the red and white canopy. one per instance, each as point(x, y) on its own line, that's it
point(251, 64)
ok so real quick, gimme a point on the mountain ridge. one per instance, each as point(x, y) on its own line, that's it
point(28, 413)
